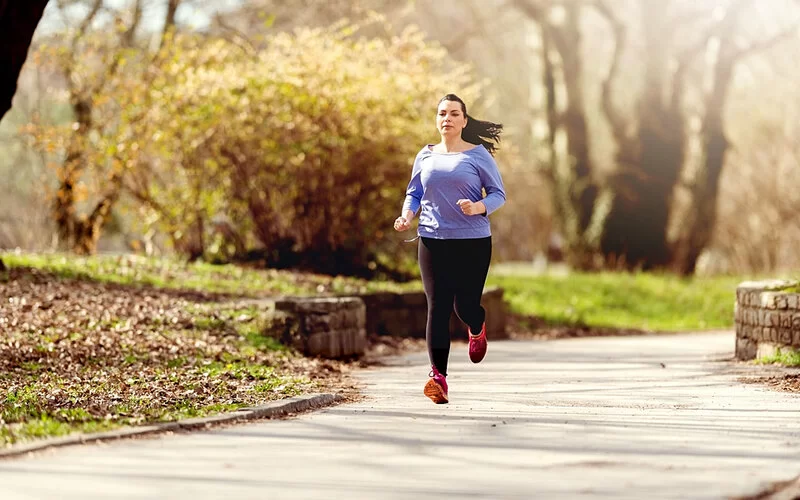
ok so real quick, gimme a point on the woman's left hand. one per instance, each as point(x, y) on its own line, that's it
point(471, 208)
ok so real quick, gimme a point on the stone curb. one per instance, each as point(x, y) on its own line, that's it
point(269, 410)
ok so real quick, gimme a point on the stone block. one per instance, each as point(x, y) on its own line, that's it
point(406, 315)
point(786, 320)
point(796, 338)
point(336, 344)
point(781, 301)
point(766, 349)
point(317, 305)
point(793, 301)
point(745, 349)
point(785, 337)
point(330, 327)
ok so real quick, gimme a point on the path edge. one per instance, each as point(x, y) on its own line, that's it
point(272, 409)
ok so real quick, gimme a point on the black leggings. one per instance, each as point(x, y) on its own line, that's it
point(453, 273)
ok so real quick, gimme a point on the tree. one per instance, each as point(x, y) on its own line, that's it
point(580, 202)
point(631, 215)
point(92, 64)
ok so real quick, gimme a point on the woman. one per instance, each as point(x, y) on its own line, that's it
point(455, 238)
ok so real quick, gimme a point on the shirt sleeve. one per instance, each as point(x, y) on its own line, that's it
point(414, 190)
point(492, 183)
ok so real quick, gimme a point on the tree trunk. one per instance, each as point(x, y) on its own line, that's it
point(64, 209)
point(699, 228)
point(636, 229)
point(18, 21)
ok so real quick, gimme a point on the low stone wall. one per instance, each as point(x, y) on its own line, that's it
point(767, 317)
point(330, 327)
point(406, 314)
point(337, 327)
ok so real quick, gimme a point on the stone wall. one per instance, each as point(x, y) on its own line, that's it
point(337, 327)
point(767, 317)
point(330, 327)
point(405, 314)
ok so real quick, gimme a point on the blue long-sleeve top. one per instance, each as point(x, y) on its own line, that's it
point(439, 180)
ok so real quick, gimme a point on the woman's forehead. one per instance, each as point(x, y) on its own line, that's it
point(449, 105)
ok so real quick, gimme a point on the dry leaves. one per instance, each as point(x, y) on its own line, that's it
point(77, 351)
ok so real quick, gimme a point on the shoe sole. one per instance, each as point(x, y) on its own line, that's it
point(435, 392)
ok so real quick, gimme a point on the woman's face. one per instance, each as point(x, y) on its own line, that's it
point(450, 120)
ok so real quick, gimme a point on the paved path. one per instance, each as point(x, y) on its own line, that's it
point(586, 418)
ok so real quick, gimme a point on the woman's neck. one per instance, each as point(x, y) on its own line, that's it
point(452, 144)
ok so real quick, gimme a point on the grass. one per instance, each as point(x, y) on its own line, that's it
point(786, 357)
point(176, 274)
point(616, 300)
point(620, 300)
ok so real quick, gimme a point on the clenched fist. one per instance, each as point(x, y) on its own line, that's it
point(471, 208)
point(402, 224)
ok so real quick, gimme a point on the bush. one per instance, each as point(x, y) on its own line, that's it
point(304, 145)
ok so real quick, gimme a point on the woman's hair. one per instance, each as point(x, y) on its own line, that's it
point(477, 132)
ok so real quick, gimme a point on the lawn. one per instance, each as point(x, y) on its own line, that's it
point(619, 300)
point(180, 275)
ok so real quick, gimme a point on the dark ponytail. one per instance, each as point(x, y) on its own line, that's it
point(477, 132)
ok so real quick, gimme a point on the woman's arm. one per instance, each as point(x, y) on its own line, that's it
point(492, 183)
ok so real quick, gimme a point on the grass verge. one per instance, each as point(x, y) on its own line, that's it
point(619, 300)
point(782, 356)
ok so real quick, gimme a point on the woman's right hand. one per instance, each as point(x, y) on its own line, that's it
point(402, 224)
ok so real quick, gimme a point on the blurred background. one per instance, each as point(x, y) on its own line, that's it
point(639, 134)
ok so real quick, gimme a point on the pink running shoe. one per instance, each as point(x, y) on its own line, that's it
point(436, 388)
point(477, 345)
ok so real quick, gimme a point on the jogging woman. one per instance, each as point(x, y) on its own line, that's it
point(455, 248)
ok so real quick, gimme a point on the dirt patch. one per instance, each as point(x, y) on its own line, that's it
point(783, 383)
point(782, 490)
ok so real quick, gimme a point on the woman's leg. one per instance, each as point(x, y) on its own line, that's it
point(472, 259)
point(434, 262)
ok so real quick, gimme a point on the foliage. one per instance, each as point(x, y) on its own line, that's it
point(304, 144)
point(92, 148)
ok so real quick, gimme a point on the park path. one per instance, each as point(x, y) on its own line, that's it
point(625, 418)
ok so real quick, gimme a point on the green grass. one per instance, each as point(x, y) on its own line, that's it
point(176, 274)
point(785, 357)
point(620, 300)
point(616, 300)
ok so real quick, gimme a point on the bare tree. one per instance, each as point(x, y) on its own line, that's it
point(652, 144)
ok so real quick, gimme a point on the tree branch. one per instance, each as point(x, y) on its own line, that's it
point(770, 42)
point(615, 118)
point(169, 20)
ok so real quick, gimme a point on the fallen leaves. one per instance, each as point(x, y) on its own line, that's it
point(74, 351)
